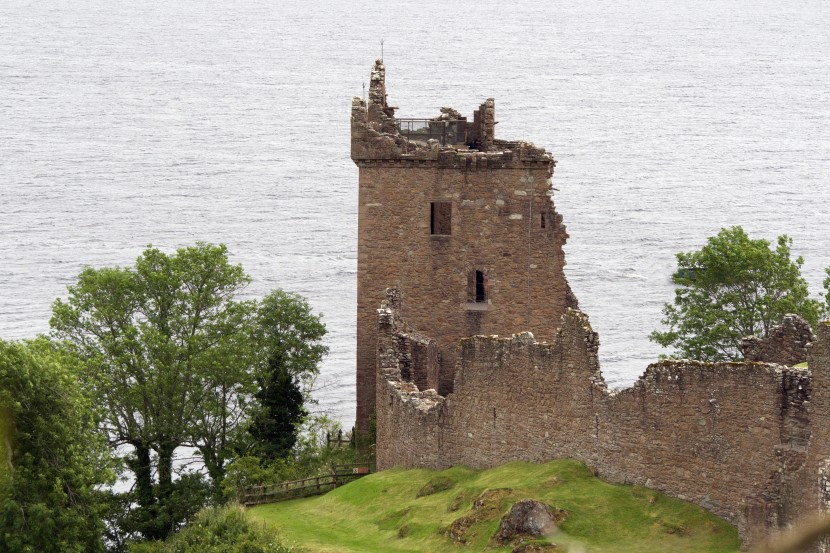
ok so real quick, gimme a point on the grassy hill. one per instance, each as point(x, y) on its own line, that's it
point(417, 510)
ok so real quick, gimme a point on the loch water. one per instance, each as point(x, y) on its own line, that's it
point(127, 123)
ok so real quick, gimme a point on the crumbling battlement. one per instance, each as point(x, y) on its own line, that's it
point(786, 343)
point(407, 359)
point(740, 439)
point(447, 140)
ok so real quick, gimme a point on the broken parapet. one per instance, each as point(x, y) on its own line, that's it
point(419, 427)
point(447, 139)
point(483, 131)
point(747, 440)
point(786, 343)
point(405, 357)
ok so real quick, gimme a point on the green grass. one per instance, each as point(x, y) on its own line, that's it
point(383, 512)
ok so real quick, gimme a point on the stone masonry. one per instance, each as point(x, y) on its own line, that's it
point(748, 441)
point(463, 228)
point(462, 223)
point(786, 343)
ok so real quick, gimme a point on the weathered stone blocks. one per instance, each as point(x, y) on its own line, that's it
point(786, 343)
point(747, 441)
point(514, 240)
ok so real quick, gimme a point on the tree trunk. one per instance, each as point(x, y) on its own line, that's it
point(215, 465)
point(165, 468)
point(165, 471)
point(141, 467)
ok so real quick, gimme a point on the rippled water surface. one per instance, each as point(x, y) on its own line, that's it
point(130, 123)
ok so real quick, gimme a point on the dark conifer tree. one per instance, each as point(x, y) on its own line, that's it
point(275, 424)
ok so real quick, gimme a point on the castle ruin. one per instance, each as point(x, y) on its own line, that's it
point(462, 230)
point(462, 223)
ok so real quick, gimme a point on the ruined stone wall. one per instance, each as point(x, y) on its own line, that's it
point(810, 486)
point(398, 351)
point(505, 405)
point(732, 437)
point(502, 223)
point(786, 343)
point(716, 434)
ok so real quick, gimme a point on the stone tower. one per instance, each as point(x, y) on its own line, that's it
point(462, 223)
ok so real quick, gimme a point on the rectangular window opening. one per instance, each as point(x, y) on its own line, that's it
point(543, 219)
point(440, 218)
point(480, 295)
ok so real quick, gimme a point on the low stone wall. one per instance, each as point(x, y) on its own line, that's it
point(732, 437)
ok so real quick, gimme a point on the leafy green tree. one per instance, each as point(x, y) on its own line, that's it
point(54, 459)
point(161, 342)
point(287, 328)
point(177, 360)
point(731, 288)
point(284, 337)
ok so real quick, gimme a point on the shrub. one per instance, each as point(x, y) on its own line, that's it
point(218, 530)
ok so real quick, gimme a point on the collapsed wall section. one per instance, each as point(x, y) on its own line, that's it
point(786, 343)
point(810, 490)
point(505, 401)
point(405, 409)
point(732, 437)
point(715, 434)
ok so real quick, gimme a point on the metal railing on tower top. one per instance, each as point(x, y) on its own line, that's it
point(446, 131)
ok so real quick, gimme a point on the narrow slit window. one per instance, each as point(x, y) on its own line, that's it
point(480, 292)
point(544, 217)
point(440, 218)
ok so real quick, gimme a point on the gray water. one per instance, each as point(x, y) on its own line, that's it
point(124, 124)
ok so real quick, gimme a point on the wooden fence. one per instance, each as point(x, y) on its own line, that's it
point(316, 485)
point(340, 440)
